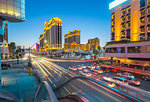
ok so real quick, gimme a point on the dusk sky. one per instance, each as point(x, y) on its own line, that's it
point(92, 17)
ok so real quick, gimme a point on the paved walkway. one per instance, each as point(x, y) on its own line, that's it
point(132, 70)
point(20, 84)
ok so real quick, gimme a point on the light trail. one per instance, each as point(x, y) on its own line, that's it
point(51, 68)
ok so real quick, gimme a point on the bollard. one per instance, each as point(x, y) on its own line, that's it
point(29, 71)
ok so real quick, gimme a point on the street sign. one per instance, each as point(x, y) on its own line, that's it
point(35, 59)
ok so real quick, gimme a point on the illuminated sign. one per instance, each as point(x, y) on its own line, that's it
point(116, 3)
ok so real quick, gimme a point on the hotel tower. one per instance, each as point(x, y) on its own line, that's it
point(130, 32)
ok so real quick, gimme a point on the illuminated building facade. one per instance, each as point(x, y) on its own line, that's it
point(51, 39)
point(5, 37)
point(4, 50)
point(72, 37)
point(72, 42)
point(12, 10)
point(130, 32)
point(41, 42)
point(94, 43)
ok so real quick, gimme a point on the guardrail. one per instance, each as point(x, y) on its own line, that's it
point(45, 93)
point(137, 92)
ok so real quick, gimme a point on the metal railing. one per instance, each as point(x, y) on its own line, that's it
point(135, 98)
point(45, 93)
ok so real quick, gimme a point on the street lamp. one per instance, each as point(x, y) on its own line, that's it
point(45, 41)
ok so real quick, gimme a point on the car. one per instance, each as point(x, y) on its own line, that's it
point(98, 70)
point(88, 74)
point(83, 66)
point(91, 67)
point(122, 80)
point(85, 70)
point(133, 81)
point(73, 68)
point(94, 72)
point(146, 78)
point(125, 74)
point(98, 65)
point(79, 67)
point(110, 84)
point(5, 65)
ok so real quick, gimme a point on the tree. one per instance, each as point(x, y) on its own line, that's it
point(99, 48)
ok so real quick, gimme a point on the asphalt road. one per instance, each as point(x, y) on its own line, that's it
point(57, 75)
point(145, 85)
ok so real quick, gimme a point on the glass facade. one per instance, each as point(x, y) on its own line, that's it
point(12, 8)
point(115, 50)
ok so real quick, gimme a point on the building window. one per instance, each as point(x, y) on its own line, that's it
point(142, 20)
point(113, 16)
point(148, 28)
point(135, 49)
point(148, 36)
point(148, 19)
point(142, 36)
point(123, 35)
point(148, 2)
point(123, 11)
point(128, 34)
point(128, 24)
point(112, 36)
point(148, 10)
point(123, 18)
point(142, 29)
point(123, 25)
point(120, 49)
point(142, 3)
point(112, 22)
point(128, 17)
point(142, 12)
point(113, 29)
point(128, 9)
point(115, 50)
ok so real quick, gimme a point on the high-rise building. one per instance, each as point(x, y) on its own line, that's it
point(72, 42)
point(130, 32)
point(94, 43)
point(51, 39)
point(5, 37)
point(41, 42)
point(72, 37)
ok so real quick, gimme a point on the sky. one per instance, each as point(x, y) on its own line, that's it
point(92, 17)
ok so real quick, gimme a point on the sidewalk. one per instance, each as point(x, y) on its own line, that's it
point(20, 85)
point(132, 70)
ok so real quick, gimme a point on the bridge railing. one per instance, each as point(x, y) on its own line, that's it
point(45, 93)
point(135, 98)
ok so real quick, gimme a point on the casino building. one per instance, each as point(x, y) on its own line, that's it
point(51, 39)
point(130, 32)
